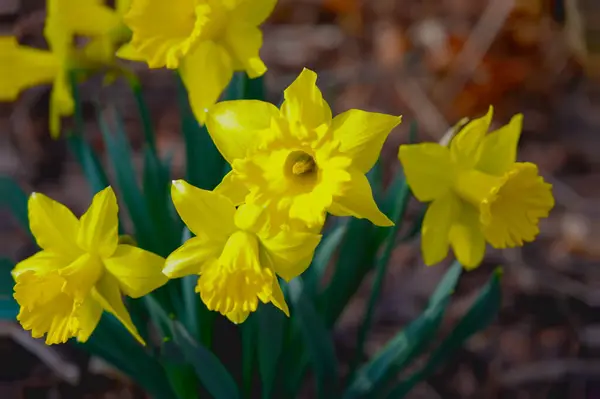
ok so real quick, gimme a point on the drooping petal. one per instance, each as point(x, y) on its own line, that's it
point(358, 201)
point(165, 32)
point(289, 253)
point(108, 295)
point(466, 238)
point(361, 135)
point(428, 168)
point(304, 104)
point(206, 72)
point(439, 218)
point(232, 188)
point(42, 261)
point(466, 145)
point(99, 226)
point(206, 213)
point(138, 271)
point(253, 12)
point(53, 225)
point(236, 126)
point(83, 17)
point(245, 42)
point(499, 149)
point(88, 316)
point(23, 67)
point(278, 299)
point(191, 257)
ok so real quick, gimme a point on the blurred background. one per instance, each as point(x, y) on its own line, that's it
point(434, 62)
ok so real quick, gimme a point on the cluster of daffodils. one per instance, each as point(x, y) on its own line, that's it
point(290, 167)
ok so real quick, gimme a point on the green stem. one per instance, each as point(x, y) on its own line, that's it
point(144, 112)
point(381, 268)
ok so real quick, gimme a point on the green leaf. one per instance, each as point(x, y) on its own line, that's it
point(204, 163)
point(121, 157)
point(401, 195)
point(144, 112)
point(210, 371)
point(317, 340)
point(90, 163)
point(14, 199)
point(478, 317)
point(112, 342)
point(329, 244)
point(405, 346)
point(8, 306)
point(356, 258)
point(271, 327)
point(249, 331)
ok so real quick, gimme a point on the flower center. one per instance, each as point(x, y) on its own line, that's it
point(301, 165)
point(510, 206)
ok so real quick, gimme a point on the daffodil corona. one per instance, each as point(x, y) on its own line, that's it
point(80, 271)
point(478, 192)
point(298, 161)
point(206, 39)
point(235, 253)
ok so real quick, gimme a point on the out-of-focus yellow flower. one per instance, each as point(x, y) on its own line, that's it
point(80, 271)
point(298, 161)
point(478, 192)
point(104, 26)
point(207, 39)
point(234, 253)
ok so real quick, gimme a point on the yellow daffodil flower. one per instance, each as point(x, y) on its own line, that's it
point(80, 271)
point(234, 253)
point(298, 161)
point(478, 192)
point(206, 39)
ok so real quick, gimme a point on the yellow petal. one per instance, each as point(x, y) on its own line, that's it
point(358, 201)
point(466, 238)
point(499, 150)
point(428, 168)
point(289, 253)
point(53, 225)
point(232, 188)
point(165, 32)
point(439, 218)
point(236, 126)
point(304, 103)
point(206, 213)
point(23, 67)
point(278, 299)
point(206, 72)
point(42, 261)
point(108, 295)
point(361, 135)
point(61, 103)
point(245, 43)
point(88, 317)
point(123, 6)
point(254, 12)
point(138, 271)
point(83, 17)
point(466, 145)
point(191, 257)
point(99, 226)
point(81, 275)
point(129, 52)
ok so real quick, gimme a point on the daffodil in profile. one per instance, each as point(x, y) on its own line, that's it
point(478, 192)
point(234, 253)
point(81, 270)
point(298, 161)
point(206, 39)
